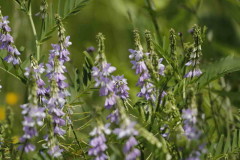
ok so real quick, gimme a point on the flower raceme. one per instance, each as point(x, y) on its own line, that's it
point(110, 86)
point(147, 88)
point(194, 61)
point(58, 92)
point(33, 112)
point(147, 65)
point(128, 131)
point(98, 142)
point(7, 42)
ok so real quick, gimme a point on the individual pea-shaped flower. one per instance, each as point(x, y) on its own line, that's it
point(193, 73)
point(114, 116)
point(161, 67)
point(120, 86)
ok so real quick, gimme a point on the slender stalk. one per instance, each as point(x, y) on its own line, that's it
point(10, 73)
point(212, 109)
point(34, 33)
point(76, 138)
point(22, 151)
point(150, 6)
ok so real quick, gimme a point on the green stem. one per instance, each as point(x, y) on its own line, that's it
point(154, 19)
point(34, 33)
point(76, 138)
point(10, 73)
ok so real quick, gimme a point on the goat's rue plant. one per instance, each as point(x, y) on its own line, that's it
point(168, 121)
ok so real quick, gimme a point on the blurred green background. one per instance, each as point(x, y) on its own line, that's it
point(116, 19)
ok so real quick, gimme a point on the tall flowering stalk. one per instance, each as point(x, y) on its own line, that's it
point(101, 74)
point(128, 132)
point(137, 57)
point(190, 127)
point(33, 111)
point(110, 86)
point(114, 88)
point(194, 61)
point(58, 92)
point(7, 42)
point(147, 65)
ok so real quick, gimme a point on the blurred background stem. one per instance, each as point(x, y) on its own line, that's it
point(152, 13)
point(37, 55)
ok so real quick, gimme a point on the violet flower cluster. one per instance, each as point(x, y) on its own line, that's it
point(110, 86)
point(189, 123)
point(194, 61)
point(56, 70)
point(195, 72)
point(7, 42)
point(147, 88)
point(58, 92)
point(103, 80)
point(127, 130)
point(98, 142)
point(33, 112)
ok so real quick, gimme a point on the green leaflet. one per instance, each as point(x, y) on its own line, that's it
point(227, 146)
point(65, 10)
point(218, 69)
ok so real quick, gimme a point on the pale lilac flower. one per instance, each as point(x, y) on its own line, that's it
point(55, 151)
point(32, 112)
point(114, 116)
point(101, 75)
point(27, 148)
point(193, 73)
point(98, 142)
point(58, 92)
point(120, 86)
point(127, 130)
point(164, 131)
point(110, 101)
point(90, 49)
point(189, 123)
point(131, 152)
point(161, 67)
point(147, 88)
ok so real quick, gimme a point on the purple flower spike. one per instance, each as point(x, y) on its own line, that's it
point(127, 130)
point(114, 116)
point(189, 123)
point(147, 88)
point(193, 73)
point(98, 143)
point(7, 43)
point(33, 112)
point(161, 67)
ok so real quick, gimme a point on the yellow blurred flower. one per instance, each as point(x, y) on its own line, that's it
point(2, 113)
point(11, 98)
point(15, 139)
